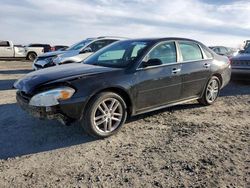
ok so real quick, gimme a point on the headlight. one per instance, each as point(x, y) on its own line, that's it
point(52, 97)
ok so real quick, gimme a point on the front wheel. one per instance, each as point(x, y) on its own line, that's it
point(104, 115)
point(211, 92)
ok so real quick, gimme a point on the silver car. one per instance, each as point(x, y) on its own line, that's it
point(76, 53)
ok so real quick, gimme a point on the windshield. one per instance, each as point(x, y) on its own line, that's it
point(79, 45)
point(118, 54)
point(247, 50)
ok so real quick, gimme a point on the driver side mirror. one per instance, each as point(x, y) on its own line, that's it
point(151, 62)
point(86, 50)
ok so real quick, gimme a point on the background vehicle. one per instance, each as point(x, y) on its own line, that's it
point(126, 78)
point(59, 47)
point(46, 47)
point(222, 50)
point(241, 64)
point(9, 50)
point(76, 53)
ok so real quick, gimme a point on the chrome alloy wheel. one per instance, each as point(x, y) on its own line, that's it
point(212, 90)
point(108, 115)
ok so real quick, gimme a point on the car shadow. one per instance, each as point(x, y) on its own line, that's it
point(22, 134)
point(7, 84)
point(236, 87)
point(20, 71)
point(167, 109)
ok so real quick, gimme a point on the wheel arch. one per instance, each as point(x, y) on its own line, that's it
point(121, 92)
point(30, 53)
point(218, 75)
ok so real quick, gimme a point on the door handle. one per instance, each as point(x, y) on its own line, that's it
point(206, 65)
point(175, 70)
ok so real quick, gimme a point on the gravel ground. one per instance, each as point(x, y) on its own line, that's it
point(184, 146)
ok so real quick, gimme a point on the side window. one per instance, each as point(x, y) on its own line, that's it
point(190, 51)
point(97, 45)
point(223, 50)
point(216, 50)
point(4, 44)
point(166, 52)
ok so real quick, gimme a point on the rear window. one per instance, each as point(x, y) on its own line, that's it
point(190, 51)
point(4, 43)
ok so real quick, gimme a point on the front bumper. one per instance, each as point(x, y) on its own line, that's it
point(65, 113)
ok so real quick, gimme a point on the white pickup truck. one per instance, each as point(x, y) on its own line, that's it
point(9, 50)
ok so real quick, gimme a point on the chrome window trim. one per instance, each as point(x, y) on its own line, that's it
point(178, 53)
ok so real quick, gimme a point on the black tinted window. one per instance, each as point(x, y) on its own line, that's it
point(166, 52)
point(4, 43)
point(97, 45)
point(190, 51)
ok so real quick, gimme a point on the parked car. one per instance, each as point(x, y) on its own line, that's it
point(34, 50)
point(126, 78)
point(59, 47)
point(9, 50)
point(46, 47)
point(76, 53)
point(222, 50)
point(241, 64)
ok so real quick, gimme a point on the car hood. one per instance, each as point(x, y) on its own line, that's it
point(69, 53)
point(49, 54)
point(35, 79)
point(242, 57)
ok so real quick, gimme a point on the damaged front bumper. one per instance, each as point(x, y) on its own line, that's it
point(51, 113)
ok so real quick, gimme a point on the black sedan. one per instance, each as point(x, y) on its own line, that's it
point(125, 79)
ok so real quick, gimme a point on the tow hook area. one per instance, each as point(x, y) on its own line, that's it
point(60, 117)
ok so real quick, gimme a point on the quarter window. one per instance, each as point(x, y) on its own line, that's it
point(190, 51)
point(166, 52)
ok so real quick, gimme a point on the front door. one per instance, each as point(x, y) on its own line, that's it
point(159, 85)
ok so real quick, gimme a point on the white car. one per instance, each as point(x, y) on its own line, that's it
point(76, 53)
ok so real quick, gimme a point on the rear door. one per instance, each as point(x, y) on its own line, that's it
point(195, 69)
point(159, 85)
point(5, 49)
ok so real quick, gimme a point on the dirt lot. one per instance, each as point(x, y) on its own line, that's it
point(184, 146)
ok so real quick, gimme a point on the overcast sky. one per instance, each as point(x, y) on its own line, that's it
point(213, 22)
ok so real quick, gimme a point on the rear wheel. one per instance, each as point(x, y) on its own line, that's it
point(31, 56)
point(105, 114)
point(211, 92)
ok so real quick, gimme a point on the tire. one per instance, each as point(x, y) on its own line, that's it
point(31, 56)
point(101, 122)
point(211, 92)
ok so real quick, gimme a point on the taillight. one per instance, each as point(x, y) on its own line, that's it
point(53, 49)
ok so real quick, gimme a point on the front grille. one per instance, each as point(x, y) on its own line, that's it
point(241, 62)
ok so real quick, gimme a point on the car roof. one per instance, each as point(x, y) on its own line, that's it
point(165, 39)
